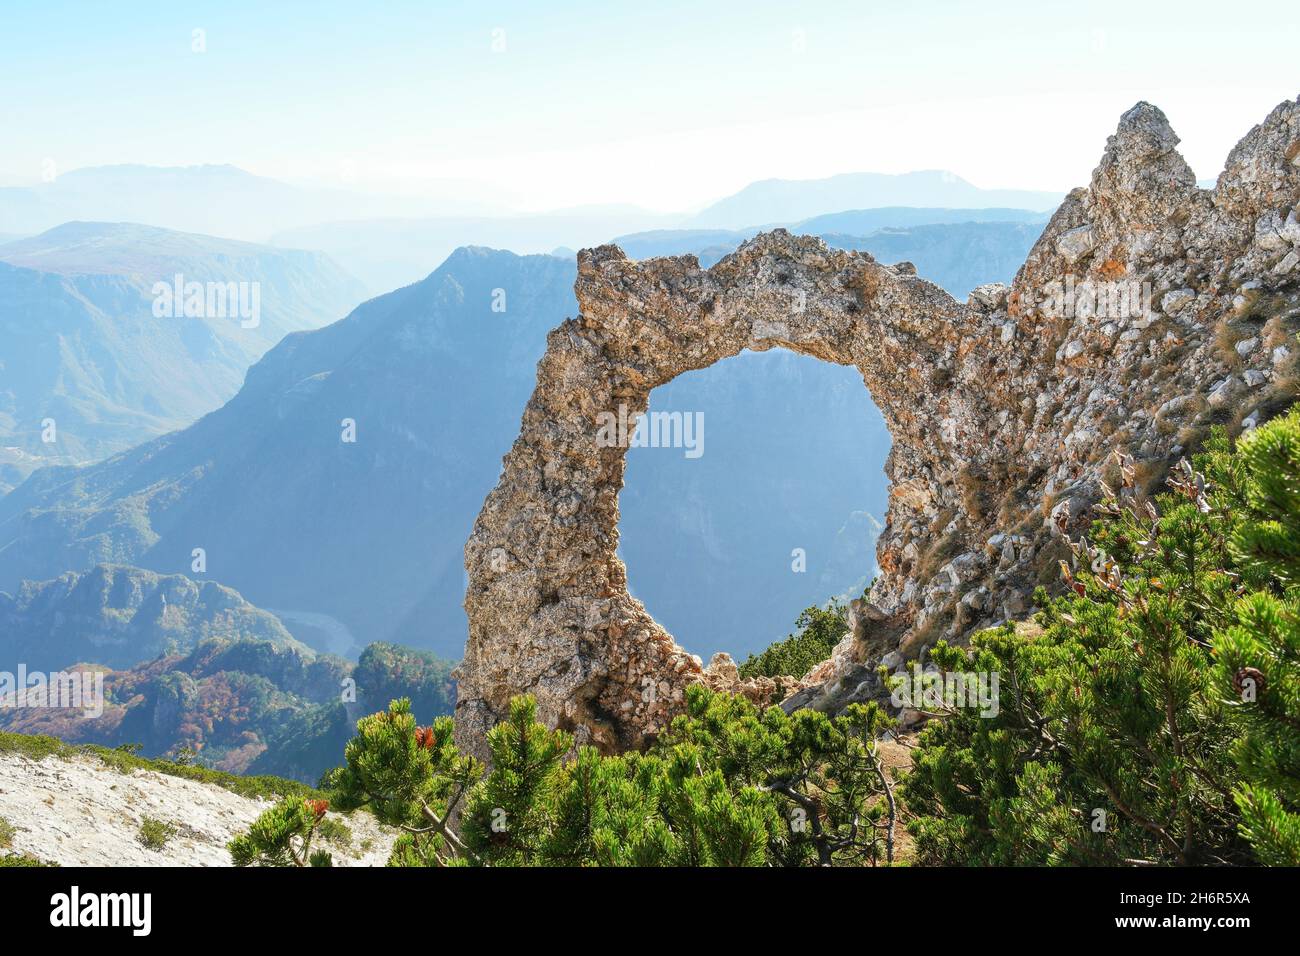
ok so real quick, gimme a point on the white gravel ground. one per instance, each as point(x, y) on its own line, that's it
point(78, 811)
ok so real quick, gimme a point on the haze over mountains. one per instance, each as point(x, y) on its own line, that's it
point(390, 253)
point(793, 458)
point(216, 200)
point(356, 542)
point(390, 241)
point(369, 533)
point(82, 348)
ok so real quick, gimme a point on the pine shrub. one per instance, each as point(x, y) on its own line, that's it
point(1154, 720)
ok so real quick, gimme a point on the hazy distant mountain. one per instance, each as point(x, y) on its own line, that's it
point(81, 345)
point(214, 200)
point(390, 253)
point(787, 200)
point(956, 255)
point(117, 616)
point(854, 222)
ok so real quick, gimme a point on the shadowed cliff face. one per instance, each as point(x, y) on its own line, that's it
point(1005, 412)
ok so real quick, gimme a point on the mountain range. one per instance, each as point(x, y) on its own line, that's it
point(389, 253)
point(360, 538)
point(93, 360)
point(389, 241)
point(245, 705)
point(956, 253)
point(191, 665)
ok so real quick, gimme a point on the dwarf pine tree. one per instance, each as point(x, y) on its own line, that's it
point(512, 811)
point(727, 784)
point(412, 778)
point(1151, 716)
point(1259, 652)
point(819, 630)
point(282, 836)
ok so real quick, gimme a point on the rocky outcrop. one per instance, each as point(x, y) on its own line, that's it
point(1148, 310)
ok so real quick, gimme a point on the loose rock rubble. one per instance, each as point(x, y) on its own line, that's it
point(1148, 310)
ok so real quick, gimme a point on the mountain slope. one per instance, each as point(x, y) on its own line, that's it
point(245, 705)
point(193, 666)
point(85, 807)
point(81, 347)
point(726, 549)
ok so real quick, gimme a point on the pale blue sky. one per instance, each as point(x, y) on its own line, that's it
point(666, 104)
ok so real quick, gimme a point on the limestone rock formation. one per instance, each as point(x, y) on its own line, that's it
point(1148, 310)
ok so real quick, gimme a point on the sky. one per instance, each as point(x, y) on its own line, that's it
point(665, 105)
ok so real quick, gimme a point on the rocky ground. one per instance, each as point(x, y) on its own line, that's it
point(78, 811)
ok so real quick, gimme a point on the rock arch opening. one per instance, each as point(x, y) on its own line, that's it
point(775, 508)
point(548, 603)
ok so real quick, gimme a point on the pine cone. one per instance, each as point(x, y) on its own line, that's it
point(1249, 673)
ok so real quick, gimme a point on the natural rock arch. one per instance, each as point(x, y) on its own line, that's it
point(1003, 412)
